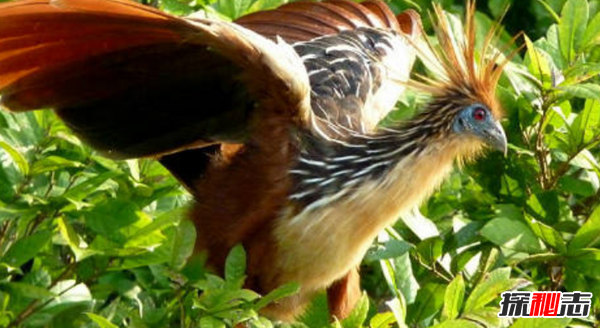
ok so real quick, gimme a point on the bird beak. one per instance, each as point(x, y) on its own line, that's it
point(496, 138)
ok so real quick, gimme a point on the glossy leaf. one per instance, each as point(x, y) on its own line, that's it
point(573, 22)
point(453, 300)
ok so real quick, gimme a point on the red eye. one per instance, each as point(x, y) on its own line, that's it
point(479, 114)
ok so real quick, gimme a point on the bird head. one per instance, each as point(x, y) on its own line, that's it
point(478, 121)
point(462, 85)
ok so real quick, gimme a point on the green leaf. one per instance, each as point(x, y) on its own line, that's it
point(25, 290)
point(164, 221)
point(586, 124)
point(577, 186)
point(420, 225)
point(77, 245)
point(589, 234)
point(183, 244)
point(286, 290)
point(487, 316)
point(487, 261)
point(457, 324)
point(101, 321)
point(389, 249)
point(455, 292)
point(210, 322)
point(431, 249)
point(234, 8)
point(399, 276)
point(71, 293)
point(539, 64)
point(107, 218)
point(583, 90)
point(398, 307)
point(541, 323)
point(317, 314)
point(357, 317)
point(586, 261)
point(53, 163)
point(512, 234)
point(550, 11)
point(493, 284)
point(573, 21)
point(26, 248)
point(17, 157)
point(580, 72)
point(86, 187)
point(235, 266)
point(545, 206)
point(592, 33)
point(264, 5)
point(429, 301)
point(176, 7)
point(550, 236)
point(382, 320)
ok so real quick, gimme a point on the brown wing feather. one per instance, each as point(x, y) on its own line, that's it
point(304, 20)
point(384, 13)
point(362, 12)
point(38, 36)
point(133, 81)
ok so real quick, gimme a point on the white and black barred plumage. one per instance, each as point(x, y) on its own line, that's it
point(355, 78)
point(348, 74)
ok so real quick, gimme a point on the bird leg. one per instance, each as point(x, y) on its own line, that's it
point(343, 295)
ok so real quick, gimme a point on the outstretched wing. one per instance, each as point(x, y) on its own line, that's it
point(133, 81)
point(358, 57)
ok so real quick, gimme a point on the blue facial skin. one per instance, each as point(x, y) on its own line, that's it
point(477, 120)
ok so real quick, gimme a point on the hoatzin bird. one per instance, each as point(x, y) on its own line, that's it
point(270, 121)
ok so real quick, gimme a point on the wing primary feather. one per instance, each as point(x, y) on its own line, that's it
point(305, 20)
point(383, 11)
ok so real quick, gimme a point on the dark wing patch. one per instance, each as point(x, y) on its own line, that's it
point(133, 81)
point(344, 71)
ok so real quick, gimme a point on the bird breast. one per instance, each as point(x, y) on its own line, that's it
point(320, 244)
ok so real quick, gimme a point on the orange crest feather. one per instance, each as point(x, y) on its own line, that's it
point(453, 61)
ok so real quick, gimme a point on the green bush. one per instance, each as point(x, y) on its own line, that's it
point(91, 242)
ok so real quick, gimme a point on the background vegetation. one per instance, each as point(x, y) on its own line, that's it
point(90, 242)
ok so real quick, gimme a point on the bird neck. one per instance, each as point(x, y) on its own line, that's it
point(330, 170)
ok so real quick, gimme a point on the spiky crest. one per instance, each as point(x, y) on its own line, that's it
point(458, 74)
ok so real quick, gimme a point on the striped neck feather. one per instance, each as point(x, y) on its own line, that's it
point(331, 170)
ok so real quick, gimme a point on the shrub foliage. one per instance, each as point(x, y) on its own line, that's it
point(91, 242)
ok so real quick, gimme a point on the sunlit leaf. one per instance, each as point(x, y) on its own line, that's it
point(17, 157)
point(453, 299)
point(456, 324)
point(494, 283)
point(53, 163)
point(573, 22)
point(101, 321)
point(541, 323)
